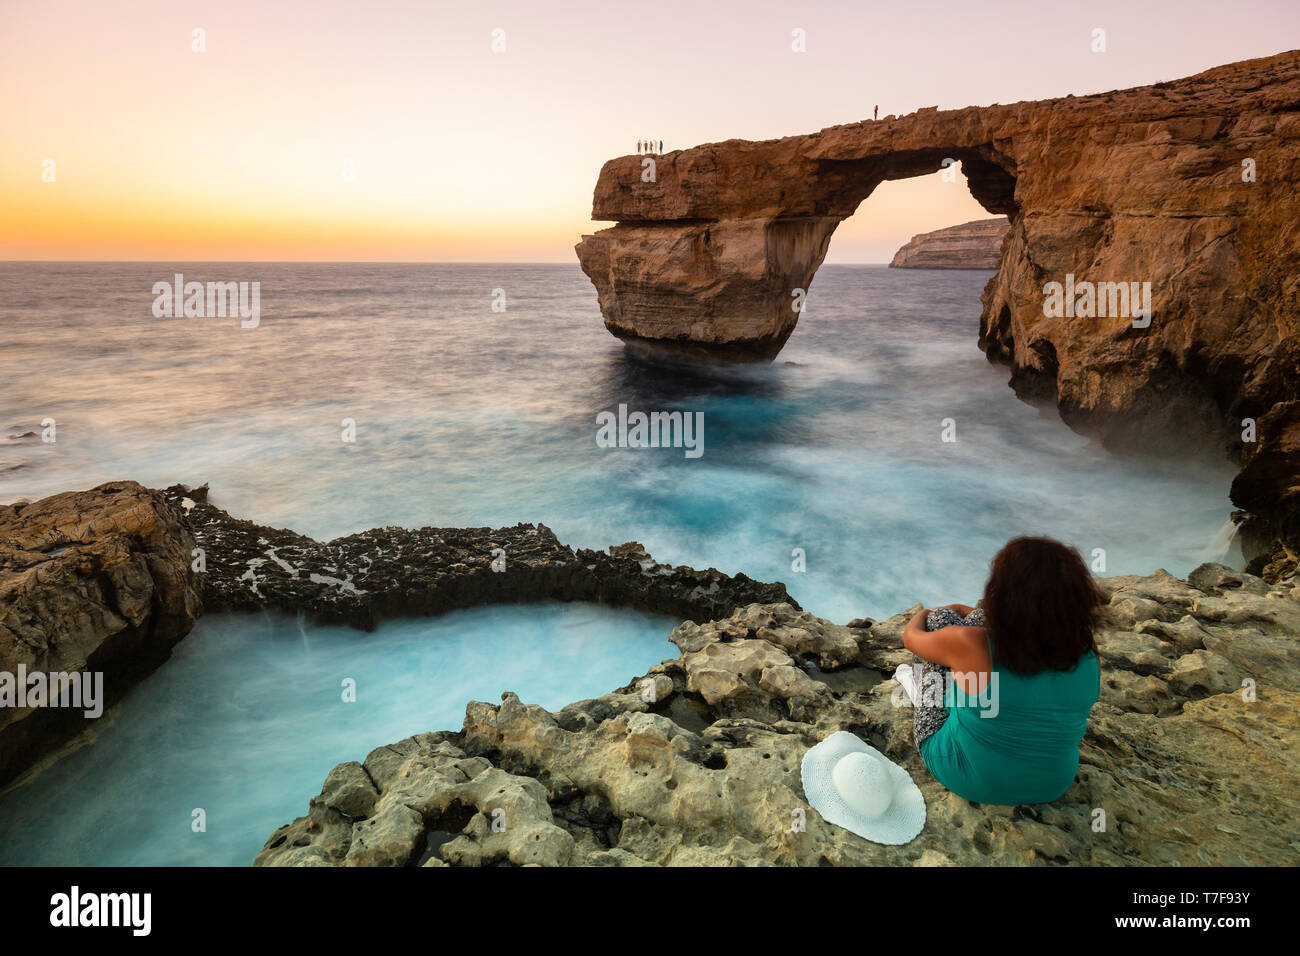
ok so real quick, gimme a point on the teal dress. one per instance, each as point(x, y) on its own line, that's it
point(1019, 744)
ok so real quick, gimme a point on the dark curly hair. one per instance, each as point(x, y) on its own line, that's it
point(1041, 605)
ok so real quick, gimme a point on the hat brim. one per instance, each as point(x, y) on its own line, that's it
point(899, 824)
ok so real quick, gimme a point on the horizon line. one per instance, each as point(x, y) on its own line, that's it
point(341, 262)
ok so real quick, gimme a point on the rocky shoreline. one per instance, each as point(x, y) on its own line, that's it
point(393, 572)
point(697, 761)
point(111, 578)
point(1190, 756)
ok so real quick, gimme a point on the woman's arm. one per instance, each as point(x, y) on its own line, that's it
point(917, 639)
point(949, 646)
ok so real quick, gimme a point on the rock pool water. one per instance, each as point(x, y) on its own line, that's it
point(248, 717)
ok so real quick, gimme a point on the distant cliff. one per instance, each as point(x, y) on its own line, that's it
point(972, 245)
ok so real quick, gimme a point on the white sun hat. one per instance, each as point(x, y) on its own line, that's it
point(855, 786)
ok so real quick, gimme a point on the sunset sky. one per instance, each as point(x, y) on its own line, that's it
point(463, 154)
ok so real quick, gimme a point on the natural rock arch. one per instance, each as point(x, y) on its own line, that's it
point(1188, 185)
point(705, 259)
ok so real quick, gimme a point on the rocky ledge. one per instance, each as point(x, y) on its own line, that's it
point(972, 245)
point(1190, 756)
point(397, 572)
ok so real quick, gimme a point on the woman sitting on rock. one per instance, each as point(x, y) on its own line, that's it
point(1002, 693)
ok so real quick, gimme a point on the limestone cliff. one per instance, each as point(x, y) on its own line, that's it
point(972, 245)
point(1187, 185)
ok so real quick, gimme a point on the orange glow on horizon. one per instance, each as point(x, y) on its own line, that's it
point(241, 150)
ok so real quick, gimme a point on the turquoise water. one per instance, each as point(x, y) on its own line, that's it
point(247, 718)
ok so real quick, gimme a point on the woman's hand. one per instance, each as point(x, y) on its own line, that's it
point(963, 609)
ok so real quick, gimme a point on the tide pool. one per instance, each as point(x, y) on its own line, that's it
point(248, 717)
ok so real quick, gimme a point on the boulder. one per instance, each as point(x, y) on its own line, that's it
point(94, 582)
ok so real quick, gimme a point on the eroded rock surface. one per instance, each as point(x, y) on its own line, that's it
point(95, 581)
point(971, 245)
point(392, 572)
point(697, 762)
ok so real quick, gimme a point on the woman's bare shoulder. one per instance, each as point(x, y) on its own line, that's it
point(974, 643)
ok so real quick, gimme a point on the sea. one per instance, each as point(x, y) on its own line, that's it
point(878, 462)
